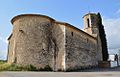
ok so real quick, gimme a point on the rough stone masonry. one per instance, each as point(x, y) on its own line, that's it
point(40, 41)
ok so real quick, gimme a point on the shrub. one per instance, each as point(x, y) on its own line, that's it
point(2, 61)
point(46, 68)
point(4, 66)
point(15, 67)
point(31, 68)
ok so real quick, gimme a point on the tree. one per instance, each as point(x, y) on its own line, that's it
point(102, 38)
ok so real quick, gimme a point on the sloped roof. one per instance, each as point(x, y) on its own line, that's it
point(75, 28)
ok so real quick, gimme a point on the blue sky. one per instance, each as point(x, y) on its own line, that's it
point(70, 11)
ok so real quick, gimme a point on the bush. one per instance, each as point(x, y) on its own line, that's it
point(31, 68)
point(15, 67)
point(4, 66)
point(2, 61)
point(46, 68)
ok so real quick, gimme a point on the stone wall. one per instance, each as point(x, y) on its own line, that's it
point(58, 39)
point(31, 41)
point(39, 40)
point(81, 49)
point(11, 50)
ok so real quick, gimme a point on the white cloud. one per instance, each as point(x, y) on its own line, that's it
point(112, 29)
point(3, 48)
point(118, 11)
point(3, 55)
point(3, 40)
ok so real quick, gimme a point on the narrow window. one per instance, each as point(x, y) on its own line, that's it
point(87, 40)
point(88, 22)
point(72, 33)
point(21, 31)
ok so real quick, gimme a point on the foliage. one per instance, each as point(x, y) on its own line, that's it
point(2, 61)
point(14, 67)
point(46, 68)
point(4, 66)
point(103, 38)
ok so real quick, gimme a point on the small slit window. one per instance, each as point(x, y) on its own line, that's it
point(21, 31)
point(72, 33)
point(87, 40)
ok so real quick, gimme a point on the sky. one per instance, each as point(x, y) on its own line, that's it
point(70, 11)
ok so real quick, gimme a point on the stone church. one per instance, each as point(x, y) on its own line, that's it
point(40, 41)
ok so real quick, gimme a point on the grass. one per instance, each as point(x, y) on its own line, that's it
point(4, 66)
point(2, 61)
point(14, 67)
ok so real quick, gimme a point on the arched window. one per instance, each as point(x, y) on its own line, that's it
point(88, 23)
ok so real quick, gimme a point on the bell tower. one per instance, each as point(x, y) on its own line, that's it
point(90, 24)
point(91, 27)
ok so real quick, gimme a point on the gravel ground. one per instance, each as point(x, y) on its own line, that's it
point(94, 72)
point(60, 74)
point(102, 69)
